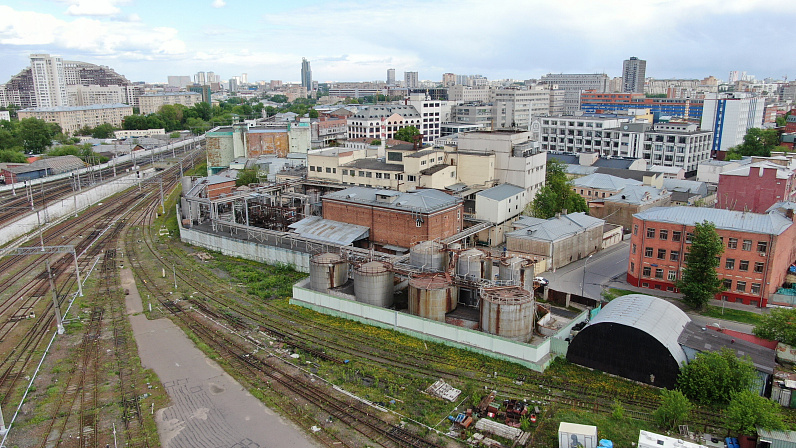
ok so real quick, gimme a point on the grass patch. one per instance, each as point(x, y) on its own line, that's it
point(622, 431)
point(745, 317)
point(612, 293)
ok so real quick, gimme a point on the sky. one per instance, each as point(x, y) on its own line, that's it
point(358, 40)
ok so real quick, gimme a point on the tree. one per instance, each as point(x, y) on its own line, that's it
point(699, 282)
point(748, 411)
point(556, 195)
point(313, 113)
point(674, 409)
point(104, 130)
point(203, 110)
point(11, 156)
point(246, 177)
point(778, 325)
point(713, 377)
point(279, 99)
point(757, 142)
point(407, 133)
point(36, 135)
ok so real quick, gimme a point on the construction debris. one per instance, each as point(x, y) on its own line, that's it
point(443, 390)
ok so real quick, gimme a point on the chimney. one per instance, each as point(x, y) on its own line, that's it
point(564, 211)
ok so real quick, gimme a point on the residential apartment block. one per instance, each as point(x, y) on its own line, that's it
point(633, 73)
point(758, 249)
point(72, 118)
point(382, 122)
point(80, 95)
point(574, 84)
point(151, 103)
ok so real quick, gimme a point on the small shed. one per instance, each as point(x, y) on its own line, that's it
point(574, 435)
point(775, 439)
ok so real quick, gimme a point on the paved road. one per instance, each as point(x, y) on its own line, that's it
point(209, 408)
point(597, 271)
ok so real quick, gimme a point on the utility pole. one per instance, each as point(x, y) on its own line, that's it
point(174, 271)
point(56, 306)
point(162, 204)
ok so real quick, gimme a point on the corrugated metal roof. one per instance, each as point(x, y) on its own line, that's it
point(783, 172)
point(774, 436)
point(330, 231)
point(768, 223)
point(604, 182)
point(554, 229)
point(54, 165)
point(501, 192)
point(656, 317)
point(614, 162)
point(690, 186)
point(425, 200)
point(638, 194)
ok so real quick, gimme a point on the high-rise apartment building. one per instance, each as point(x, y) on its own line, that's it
point(244, 78)
point(574, 84)
point(200, 78)
point(633, 73)
point(179, 81)
point(390, 76)
point(306, 74)
point(448, 79)
point(729, 116)
point(410, 80)
point(49, 80)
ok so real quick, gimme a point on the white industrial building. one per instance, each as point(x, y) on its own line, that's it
point(729, 116)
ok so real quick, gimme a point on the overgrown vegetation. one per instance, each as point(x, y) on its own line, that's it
point(778, 325)
point(712, 378)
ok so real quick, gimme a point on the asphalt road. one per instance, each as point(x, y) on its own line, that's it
point(591, 274)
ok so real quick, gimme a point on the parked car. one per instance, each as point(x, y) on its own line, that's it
point(541, 280)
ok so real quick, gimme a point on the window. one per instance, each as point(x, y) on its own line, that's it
point(312, 168)
point(378, 175)
point(635, 229)
point(674, 255)
point(412, 178)
point(762, 246)
point(345, 172)
point(663, 234)
point(661, 254)
point(399, 177)
point(634, 249)
point(676, 235)
point(386, 175)
point(727, 284)
point(755, 289)
point(730, 263)
point(632, 267)
point(672, 276)
point(650, 232)
point(743, 265)
point(648, 252)
point(646, 271)
point(758, 266)
point(361, 174)
point(659, 273)
point(732, 243)
point(418, 223)
point(368, 174)
point(688, 236)
point(740, 286)
point(747, 245)
point(328, 169)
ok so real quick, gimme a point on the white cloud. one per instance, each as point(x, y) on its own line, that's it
point(102, 8)
point(219, 4)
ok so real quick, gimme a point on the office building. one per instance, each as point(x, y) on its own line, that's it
point(514, 107)
point(574, 84)
point(72, 118)
point(411, 80)
point(390, 76)
point(593, 102)
point(633, 72)
point(306, 74)
point(729, 116)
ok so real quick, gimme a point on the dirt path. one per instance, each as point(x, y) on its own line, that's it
point(211, 409)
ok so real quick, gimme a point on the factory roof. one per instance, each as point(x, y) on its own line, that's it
point(656, 317)
point(603, 182)
point(626, 174)
point(639, 195)
point(501, 192)
point(694, 337)
point(423, 200)
point(556, 228)
point(54, 165)
point(434, 169)
point(614, 162)
point(768, 223)
point(373, 164)
point(330, 231)
point(686, 186)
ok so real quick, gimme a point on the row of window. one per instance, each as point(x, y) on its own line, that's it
point(740, 285)
point(732, 243)
point(674, 255)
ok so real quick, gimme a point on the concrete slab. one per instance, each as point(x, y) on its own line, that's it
point(211, 409)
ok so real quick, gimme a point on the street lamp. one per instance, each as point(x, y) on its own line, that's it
point(583, 282)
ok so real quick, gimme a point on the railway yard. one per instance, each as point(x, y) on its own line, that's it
point(342, 383)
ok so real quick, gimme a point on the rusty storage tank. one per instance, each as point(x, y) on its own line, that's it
point(429, 255)
point(508, 312)
point(474, 264)
point(431, 296)
point(511, 269)
point(374, 283)
point(327, 270)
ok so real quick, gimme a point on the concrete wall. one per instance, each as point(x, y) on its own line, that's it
point(536, 357)
point(250, 250)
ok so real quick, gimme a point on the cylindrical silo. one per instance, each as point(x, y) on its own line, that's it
point(374, 283)
point(432, 296)
point(327, 270)
point(508, 312)
point(473, 264)
point(429, 255)
point(509, 269)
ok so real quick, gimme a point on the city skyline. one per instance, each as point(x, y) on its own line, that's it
point(148, 41)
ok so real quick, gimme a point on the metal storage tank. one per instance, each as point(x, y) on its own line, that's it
point(510, 269)
point(508, 312)
point(431, 296)
point(429, 255)
point(327, 270)
point(474, 264)
point(374, 283)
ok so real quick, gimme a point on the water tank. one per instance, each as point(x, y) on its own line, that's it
point(374, 283)
point(327, 270)
point(429, 255)
point(432, 296)
point(507, 312)
point(510, 269)
point(474, 264)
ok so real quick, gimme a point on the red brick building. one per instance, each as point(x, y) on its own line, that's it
point(397, 219)
point(755, 187)
point(758, 249)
